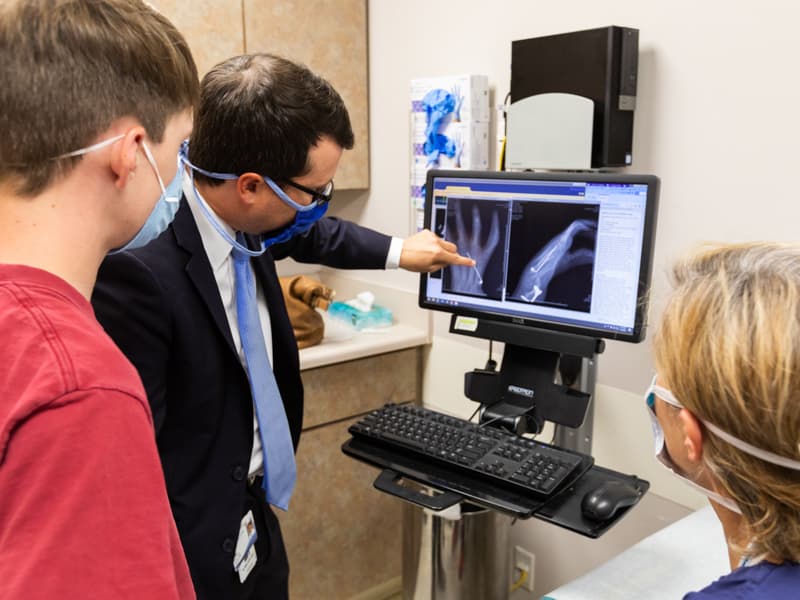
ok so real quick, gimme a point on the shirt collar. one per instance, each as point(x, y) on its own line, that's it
point(215, 245)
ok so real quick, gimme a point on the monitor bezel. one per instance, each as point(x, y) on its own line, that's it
point(645, 267)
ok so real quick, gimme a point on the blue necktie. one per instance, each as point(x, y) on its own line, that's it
point(276, 441)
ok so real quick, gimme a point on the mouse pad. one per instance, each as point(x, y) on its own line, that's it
point(565, 508)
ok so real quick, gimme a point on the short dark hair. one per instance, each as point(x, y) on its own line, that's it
point(72, 67)
point(262, 113)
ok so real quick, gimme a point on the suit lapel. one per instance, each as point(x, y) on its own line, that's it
point(198, 269)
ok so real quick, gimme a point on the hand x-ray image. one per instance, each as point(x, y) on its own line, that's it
point(552, 254)
point(478, 228)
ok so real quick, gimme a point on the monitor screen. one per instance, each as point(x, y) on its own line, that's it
point(568, 251)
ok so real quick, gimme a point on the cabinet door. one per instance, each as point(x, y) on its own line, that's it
point(330, 37)
point(342, 535)
point(213, 28)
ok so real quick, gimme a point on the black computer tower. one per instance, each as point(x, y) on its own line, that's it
point(598, 64)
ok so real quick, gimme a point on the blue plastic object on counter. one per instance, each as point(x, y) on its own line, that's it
point(377, 316)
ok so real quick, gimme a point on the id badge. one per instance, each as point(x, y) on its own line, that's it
point(244, 558)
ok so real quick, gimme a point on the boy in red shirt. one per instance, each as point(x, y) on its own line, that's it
point(95, 101)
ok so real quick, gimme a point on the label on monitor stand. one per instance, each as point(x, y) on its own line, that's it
point(466, 324)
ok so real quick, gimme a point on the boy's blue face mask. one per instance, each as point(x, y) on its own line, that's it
point(163, 212)
point(165, 207)
point(305, 215)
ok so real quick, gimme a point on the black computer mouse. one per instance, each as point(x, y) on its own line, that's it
point(603, 502)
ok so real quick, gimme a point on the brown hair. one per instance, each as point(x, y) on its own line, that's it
point(71, 67)
point(263, 113)
point(729, 348)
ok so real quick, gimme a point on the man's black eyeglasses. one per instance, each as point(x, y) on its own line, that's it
point(322, 196)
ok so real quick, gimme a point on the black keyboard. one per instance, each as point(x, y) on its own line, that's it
point(487, 452)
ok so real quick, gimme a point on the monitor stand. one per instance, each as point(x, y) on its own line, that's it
point(544, 376)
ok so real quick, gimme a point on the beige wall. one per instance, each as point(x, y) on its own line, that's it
point(329, 36)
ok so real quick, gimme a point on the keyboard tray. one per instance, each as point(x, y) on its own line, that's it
point(563, 509)
point(442, 477)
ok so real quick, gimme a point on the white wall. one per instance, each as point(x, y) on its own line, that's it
point(716, 120)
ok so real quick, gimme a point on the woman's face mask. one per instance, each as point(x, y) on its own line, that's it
point(661, 448)
point(663, 456)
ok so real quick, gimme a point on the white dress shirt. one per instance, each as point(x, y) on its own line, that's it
point(219, 254)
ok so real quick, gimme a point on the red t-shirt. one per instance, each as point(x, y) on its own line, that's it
point(83, 504)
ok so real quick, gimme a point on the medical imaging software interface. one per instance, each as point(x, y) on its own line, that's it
point(562, 252)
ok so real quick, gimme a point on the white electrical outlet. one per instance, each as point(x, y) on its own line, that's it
point(524, 561)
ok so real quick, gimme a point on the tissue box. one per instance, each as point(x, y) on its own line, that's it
point(377, 316)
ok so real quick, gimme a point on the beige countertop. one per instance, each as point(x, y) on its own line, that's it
point(411, 325)
point(380, 341)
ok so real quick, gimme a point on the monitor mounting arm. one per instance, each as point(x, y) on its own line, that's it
point(523, 394)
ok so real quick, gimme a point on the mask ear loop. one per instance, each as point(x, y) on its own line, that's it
point(77, 152)
point(175, 187)
point(153, 164)
point(91, 148)
point(285, 197)
point(215, 222)
point(183, 156)
point(765, 455)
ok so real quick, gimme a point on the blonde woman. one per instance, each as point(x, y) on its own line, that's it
point(726, 406)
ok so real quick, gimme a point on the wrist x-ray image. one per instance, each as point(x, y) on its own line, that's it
point(552, 253)
point(478, 228)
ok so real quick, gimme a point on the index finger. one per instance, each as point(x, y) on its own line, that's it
point(448, 246)
point(451, 258)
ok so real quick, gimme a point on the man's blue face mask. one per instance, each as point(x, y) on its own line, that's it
point(305, 215)
point(165, 207)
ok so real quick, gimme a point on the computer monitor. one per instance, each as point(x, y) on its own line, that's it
point(569, 252)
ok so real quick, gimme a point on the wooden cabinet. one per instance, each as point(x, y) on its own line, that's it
point(329, 36)
point(213, 28)
point(343, 536)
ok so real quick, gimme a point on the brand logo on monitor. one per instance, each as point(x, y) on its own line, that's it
point(518, 320)
point(520, 391)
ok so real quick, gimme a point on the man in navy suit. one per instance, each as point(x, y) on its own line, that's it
point(268, 136)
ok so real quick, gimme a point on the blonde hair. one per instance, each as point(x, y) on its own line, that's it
point(729, 347)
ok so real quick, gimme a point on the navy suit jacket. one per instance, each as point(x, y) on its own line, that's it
point(161, 305)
